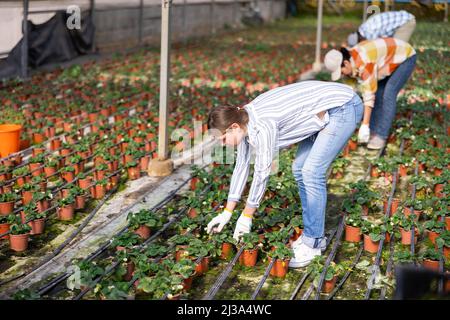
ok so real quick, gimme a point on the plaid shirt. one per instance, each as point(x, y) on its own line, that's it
point(384, 24)
point(374, 60)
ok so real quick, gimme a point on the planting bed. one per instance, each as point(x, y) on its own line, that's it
point(165, 253)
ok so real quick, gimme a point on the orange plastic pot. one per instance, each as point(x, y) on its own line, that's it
point(369, 245)
point(18, 242)
point(9, 139)
point(328, 285)
point(406, 236)
point(432, 236)
point(4, 227)
point(279, 268)
point(352, 234)
point(143, 231)
point(226, 250)
point(431, 264)
point(66, 213)
point(6, 208)
point(37, 226)
point(248, 258)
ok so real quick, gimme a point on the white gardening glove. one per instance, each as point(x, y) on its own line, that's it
point(243, 225)
point(219, 221)
point(363, 133)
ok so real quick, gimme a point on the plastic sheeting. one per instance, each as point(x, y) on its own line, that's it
point(51, 42)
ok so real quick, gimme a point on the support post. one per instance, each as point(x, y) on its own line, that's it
point(141, 21)
point(92, 12)
point(317, 64)
point(163, 166)
point(24, 48)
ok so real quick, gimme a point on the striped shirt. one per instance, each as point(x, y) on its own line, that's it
point(373, 60)
point(279, 118)
point(384, 24)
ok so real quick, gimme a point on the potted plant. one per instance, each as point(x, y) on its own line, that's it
point(430, 258)
point(42, 200)
point(434, 227)
point(282, 256)
point(193, 203)
point(417, 205)
point(112, 290)
point(50, 166)
point(134, 171)
point(334, 270)
point(28, 189)
point(353, 224)
point(143, 222)
point(36, 219)
point(296, 224)
point(224, 240)
point(66, 208)
point(89, 272)
point(186, 270)
point(204, 250)
point(5, 222)
point(443, 242)
point(406, 224)
point(251, 243)
point(99, 189)
point(338, 167)
point(372, 233)
point(181, 241)
point(68, 173)
point(7, 201)
point(126, 240)
point(19, 233)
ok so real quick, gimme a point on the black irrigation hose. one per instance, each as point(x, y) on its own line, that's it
point(347, 274)
point(66, 242)
point(302, 281)
point(330, 256)
point(390, 264)
point(223, 276)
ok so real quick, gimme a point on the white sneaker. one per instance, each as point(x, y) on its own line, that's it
point(303, 255)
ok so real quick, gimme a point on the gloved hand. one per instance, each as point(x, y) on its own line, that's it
point(243, 225)
point(363, 133)
point(219, 221)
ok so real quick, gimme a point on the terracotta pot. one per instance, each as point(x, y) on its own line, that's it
point(369, 245)
point(18, 242)
point(130, 270)
point(85, 183)
point(447, 252)
point(394, 205)
point(248, 258)
point(353, 145)
point(338, 175)
point(352, 234)
point(180, 252)
point(407, 212)
point(194, 182)
point(99, 192)
point(27, 197)
point(328, 285)
point(35, 169)
point(4, 227)
point(143, 231)
point(205, 264)
point(447, 223)
point(403, 170)
point(438, 188)
point(37, 226)
point(192, 213)
point(68, 176)
point(437, 172)
point(432, 236)
point(431, 264)
point(187, 283)
point(80, 202)
point(374, 172)
point(143, 163)
point(227, 250)
point(99, 174)
point(297, 233)
point(406, 236)
point(279, 268)
point(6, 207)
point(134, 172)
point(66, 213)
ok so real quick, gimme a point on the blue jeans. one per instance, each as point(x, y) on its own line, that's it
point(314, 155)
point(385, 106)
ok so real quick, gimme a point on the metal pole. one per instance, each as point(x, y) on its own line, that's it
point(141, 19)
point(164, 79)
point(366, 5)
point(317, 65)
point(24, 48)
point(92, 10)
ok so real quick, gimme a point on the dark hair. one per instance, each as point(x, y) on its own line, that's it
point(222, 117)
point(345, 55)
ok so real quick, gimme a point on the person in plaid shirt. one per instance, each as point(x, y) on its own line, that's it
point(396, 24)
point(382, 67)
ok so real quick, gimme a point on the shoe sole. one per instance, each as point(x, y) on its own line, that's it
point(374, 148)
point(295, 265)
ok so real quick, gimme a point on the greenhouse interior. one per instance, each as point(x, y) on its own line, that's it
point(212, 150)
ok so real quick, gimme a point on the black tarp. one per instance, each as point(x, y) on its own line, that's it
point(51, 42)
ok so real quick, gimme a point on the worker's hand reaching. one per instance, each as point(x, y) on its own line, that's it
point(363, 133)
point(218, 222)
point(243, 225)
